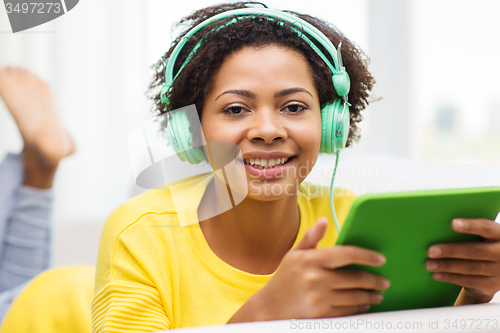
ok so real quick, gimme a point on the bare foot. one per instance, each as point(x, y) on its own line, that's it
point(29, 100)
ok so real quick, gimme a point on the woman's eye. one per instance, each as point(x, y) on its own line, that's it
point(234, 110)
point(295, 108)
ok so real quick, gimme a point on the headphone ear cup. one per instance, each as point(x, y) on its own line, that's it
point(344, 122)
point(326, 128)
point(184, 149)
point(176, 138)
point(331, 119)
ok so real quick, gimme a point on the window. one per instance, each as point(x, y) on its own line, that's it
point(456, 109)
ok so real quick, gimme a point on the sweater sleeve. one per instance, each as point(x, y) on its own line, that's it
point(125, 297)
point(128, 307)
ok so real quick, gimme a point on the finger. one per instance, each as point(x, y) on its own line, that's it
point(475, 282)
point(342, 255)
point(355, 297)
point(313, 235)
point(464, 267)
point(354, 279)
point(482, 227)
point(470, 250)
point(340, 311)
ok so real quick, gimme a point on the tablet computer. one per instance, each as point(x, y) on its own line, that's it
point(402, 226)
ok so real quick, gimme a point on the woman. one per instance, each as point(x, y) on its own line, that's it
point(256, 83)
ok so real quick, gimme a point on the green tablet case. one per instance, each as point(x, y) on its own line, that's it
point(402, 226)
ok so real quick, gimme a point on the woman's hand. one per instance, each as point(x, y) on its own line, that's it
point(309, 283)
point(475, 265)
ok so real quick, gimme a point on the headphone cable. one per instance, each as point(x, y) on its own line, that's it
point(331, 192)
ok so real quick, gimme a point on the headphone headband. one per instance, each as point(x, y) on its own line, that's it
point(340, 76)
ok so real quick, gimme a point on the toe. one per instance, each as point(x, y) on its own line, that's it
point(17, 70)
point(12, 70)
point(4, 72)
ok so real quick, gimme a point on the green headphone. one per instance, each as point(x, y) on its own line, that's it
point(335, 116)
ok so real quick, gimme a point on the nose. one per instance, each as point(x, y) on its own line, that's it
point(267, 126)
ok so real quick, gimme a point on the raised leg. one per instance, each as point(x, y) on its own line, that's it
point(26, 197)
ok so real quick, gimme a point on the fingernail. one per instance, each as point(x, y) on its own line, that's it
point(458, 224)
point(365, 307)
point(386, 284)
point(434, 251)
point(437, 276)
point(323, 218)
point(431, 265)
point(381, 259)
point(379, 298)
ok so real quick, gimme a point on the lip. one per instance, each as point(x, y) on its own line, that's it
point(276, 172)
point(266, 154)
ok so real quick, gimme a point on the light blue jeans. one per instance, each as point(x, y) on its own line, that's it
point(25, 231)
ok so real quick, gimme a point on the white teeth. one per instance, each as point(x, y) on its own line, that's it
point(261, 163)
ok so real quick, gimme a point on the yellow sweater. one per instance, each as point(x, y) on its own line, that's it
point(153, 274)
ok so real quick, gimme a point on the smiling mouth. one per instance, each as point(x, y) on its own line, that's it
point(261, 163)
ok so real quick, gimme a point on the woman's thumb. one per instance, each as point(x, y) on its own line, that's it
point(313, 235)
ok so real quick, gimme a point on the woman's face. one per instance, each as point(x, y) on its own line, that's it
point(265, 101)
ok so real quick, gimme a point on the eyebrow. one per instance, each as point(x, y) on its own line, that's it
point(249, 94)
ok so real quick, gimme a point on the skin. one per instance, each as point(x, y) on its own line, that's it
point(45, 142)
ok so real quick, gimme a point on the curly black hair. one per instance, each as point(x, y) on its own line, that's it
point(195, 81)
